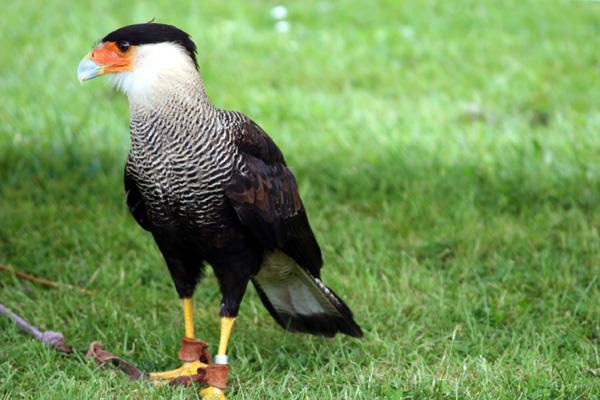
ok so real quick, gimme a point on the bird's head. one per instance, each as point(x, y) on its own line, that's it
point(142, 58)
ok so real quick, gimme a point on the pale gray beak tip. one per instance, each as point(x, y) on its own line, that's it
point(87, 70)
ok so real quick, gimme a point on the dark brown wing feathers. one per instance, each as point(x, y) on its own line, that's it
point(267, 201)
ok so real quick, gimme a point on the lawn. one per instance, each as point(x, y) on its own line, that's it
point(448, 154)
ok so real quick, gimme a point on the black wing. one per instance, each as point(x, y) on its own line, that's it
point(266, 199)
point(134, 200)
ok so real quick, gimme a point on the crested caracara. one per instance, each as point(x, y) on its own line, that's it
point(213, 188)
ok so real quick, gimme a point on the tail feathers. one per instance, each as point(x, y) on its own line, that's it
point(299, 302)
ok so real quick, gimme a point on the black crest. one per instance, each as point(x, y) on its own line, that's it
point(153, 33)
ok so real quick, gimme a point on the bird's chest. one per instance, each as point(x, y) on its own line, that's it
point(180, 180)
point(166, 176)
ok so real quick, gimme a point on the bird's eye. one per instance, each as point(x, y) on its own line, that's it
point(123, 45)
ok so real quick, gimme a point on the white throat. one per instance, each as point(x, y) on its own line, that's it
point(159, 71)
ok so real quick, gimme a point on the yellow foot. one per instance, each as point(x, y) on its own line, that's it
point(187, 369)
point(212, 393)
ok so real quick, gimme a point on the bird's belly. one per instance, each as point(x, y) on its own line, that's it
point(188, 209)
point(185, 202)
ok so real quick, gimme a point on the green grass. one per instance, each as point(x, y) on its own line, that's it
point(448, 154)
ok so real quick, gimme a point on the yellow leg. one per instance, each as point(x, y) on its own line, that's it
point(213, 393)
point(188, 317)
point(226, 327)
point(188, 368)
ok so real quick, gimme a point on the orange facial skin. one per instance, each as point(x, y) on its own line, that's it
point(108, 56)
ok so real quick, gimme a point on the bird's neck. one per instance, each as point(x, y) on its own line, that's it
point(179, 88)
point(175, 110)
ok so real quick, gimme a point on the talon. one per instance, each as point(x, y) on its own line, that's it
point(187, 369)
point(212, 393)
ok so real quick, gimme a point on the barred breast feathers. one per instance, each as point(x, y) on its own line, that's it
point(183, 153)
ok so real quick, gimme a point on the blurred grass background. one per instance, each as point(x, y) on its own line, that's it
point(448, 154)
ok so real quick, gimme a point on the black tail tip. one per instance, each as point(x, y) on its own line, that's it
point(321, 324)
point(351, 328)
point(355, 332)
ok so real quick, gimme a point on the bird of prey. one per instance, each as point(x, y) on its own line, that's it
point(213, 188)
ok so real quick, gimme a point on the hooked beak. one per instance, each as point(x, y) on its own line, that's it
point(106, 58)
point(88, 69)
